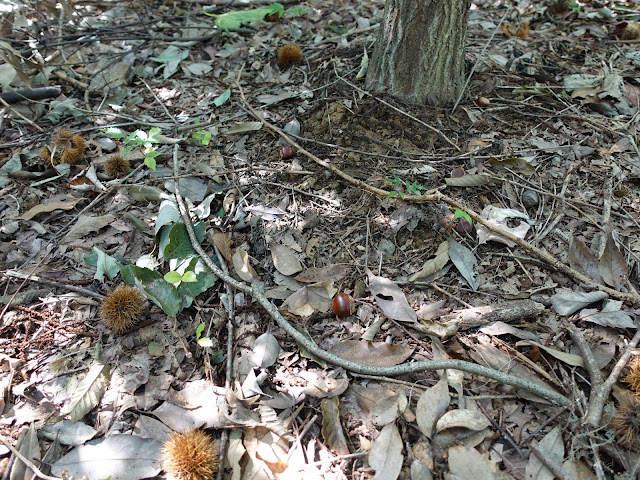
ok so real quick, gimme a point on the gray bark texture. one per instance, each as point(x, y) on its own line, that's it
point(419, 52)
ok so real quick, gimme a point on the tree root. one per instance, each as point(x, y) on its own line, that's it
point(316, 350)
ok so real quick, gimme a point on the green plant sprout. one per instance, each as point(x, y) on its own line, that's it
point(140, 139)
point(187, 276)
point(397, 184)
point(457, 213)
point(202, 135)
point(202, 341)
point(176, 278)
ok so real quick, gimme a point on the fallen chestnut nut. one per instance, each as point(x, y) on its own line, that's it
point(463, 227)
point(483, 102)
point(343, 305)
point(457, 172)
point(287, 152)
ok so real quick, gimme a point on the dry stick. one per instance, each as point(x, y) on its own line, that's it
point(224, 438)
point(600, 389)
point(8, 304)
point(590, 362)
point(19, 115)
point(46, 281)
point(314, 349)
point(27, 462)
point(551, 465)
point(598, 398)
point(437, 196)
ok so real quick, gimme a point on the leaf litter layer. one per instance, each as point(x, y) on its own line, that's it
point(544, 136)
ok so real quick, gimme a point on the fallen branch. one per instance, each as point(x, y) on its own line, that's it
point(30, 94)
point(36, 471)
point(314, 349)
point(600, 388)
point(437, 196)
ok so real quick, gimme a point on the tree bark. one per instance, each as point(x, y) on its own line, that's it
point(419, 52)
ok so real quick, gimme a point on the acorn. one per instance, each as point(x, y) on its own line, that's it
point(343, 305)
point(463, 227)
point(530, 199)
point(287, 152)
point(121, 307)
point(192, 455)
point(483, 102)
point(457, 172)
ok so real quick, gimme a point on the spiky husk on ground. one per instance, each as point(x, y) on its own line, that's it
point(190, 455)
point(116, 166)
point(120, 308)
point(69, 148)
point(633, 375)
point(626, 424)
point(288, 54)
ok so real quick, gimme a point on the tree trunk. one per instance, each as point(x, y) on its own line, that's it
point(419, 52)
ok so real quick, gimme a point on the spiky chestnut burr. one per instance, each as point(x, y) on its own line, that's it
point(191, 455)
point(120, 308)
point(116, 166)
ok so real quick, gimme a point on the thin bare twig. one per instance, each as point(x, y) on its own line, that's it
point(27, 462)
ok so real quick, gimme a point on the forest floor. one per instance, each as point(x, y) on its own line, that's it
point(489, 251)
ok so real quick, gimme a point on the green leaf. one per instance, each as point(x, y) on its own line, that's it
point(105, 264)
point(171, 54)
point(176, 243)
point(153, 284)
point(131, 273)
point(153, 135)
point(126, 151)
point(150, 162)
point(204, 281)
point(205, 342)
point(189, 277)
point(235, 19)
point(133, 136)
point(167, 214)
point(172, 277)
point(165, 296)
point(457, 213)
point(222, 98)
point(200, 329)
point(113, 132)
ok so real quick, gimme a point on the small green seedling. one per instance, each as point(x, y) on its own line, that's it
point(203, 136)
point(140, 139)
point(202, 341)
point(175, 277)
point(457, 213)
point(397, 184)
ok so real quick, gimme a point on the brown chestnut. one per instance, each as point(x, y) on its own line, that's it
point(343, 305)
point(457, 172)
point(483, 102)
point(287, 152)
point(463, 227)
